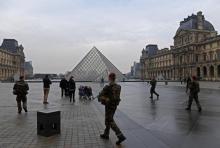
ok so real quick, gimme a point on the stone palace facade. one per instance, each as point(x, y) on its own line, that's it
point(11, 59)
point(196, 51)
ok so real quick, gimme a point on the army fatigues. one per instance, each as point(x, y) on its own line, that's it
point(21, 90)
point(153, 83)
point(112, 93)
point(193, 94)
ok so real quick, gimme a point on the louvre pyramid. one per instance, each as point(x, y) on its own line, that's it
point(93, 67)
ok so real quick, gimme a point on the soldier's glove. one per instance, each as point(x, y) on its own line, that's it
point(104, 100)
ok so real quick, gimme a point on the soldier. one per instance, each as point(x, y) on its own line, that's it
point(153, 83)
point(110, 97)
point(21, 90)
point(193, 94)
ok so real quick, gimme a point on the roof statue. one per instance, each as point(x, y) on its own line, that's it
point(94, 67)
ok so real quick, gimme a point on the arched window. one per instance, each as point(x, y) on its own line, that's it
point(211, 71)
point(218, 70)
point(198, 72)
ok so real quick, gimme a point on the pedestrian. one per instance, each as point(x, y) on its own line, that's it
point(153, 84)
point(46, 87)
point(21, 90)
point(110, 97)
point(63, 86)
point(193, 94)
point(181, 80)
point(102, 82)
point(72, 88)
point(187, 83)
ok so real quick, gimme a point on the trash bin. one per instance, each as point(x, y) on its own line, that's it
point(48, 122)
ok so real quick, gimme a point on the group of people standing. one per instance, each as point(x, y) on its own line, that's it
point(21, 88)
point(68, 88)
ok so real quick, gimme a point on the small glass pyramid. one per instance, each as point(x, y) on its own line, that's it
point(94, 67)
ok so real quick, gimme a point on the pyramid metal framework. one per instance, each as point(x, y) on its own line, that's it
point(93, 67)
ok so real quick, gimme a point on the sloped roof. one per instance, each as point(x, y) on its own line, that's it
point(93, 67)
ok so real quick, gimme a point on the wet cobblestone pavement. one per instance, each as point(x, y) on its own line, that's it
point(158, 124)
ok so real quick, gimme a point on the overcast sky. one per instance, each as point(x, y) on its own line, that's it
point(57, 34)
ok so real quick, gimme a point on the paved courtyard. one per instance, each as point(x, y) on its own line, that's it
point(146, 124)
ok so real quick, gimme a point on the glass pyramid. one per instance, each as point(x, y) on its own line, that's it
point(93, 67)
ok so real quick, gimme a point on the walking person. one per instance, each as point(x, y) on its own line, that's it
point(21, 90)
point(181, 80)
point(153, 84)
point(193, 94)
point(72, 88)
point(187, 83)
point(63, 86)
point(46, 85)
point(110, 97)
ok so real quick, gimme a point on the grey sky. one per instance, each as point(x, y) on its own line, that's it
point(56, 34)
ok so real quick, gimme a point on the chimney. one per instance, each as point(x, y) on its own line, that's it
point(200, 20)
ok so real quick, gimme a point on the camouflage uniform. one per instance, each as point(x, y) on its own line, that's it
point(193, 94)
point(111, 93)
point(21, 90)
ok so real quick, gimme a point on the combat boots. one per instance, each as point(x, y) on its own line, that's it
point(121, 138)
point(104, 136)
point(188, 108)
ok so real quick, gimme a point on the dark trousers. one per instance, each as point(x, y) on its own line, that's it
point(152, 91)
point(195, 97)
point(22, 99)
point(109, 120)
point(72, 95)
point(63, 91)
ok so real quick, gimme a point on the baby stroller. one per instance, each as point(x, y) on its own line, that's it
point(85, 92)
point(88, 92)
point(81, 92)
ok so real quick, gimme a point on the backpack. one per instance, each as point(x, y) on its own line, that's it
point(20, 88)
point(116, 91)
point(194, 87)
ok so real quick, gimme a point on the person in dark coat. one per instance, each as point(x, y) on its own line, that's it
point(21, 90)
point(187, 83)
point(153, 84)
point(110, 97)
point(46, 85)
point(72, 88)
point(193, 94)
point(63, 86)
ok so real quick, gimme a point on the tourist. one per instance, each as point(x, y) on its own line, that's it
point(153, 83)
point(21, 90)
point(47, 83)
point(72, 88)
point(110, 97)
point(102, 82)
point(187, 83)
point(63, 86)
point(193, 94)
